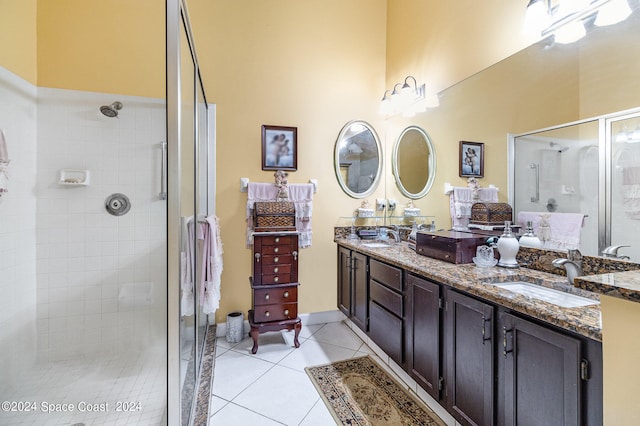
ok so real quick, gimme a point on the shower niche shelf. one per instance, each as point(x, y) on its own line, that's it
point(74, 177)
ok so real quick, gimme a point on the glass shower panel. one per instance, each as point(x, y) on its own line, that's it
point(188, 218)
point(201, 199)
point(625, 185)
point(557, 170)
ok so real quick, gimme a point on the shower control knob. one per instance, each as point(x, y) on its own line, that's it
point(117, 204)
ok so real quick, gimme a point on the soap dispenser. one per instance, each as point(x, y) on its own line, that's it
point(508, 247)
point(529, 239)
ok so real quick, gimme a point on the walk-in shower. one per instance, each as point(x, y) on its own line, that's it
point(111, 111)
point(590, 167)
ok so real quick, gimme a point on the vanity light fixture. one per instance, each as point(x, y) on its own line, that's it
point(564, 18)
point(407, 98)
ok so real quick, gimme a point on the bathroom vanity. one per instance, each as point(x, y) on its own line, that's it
point(486, 354)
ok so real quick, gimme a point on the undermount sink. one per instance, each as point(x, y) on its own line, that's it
point(560, 298)
point(375, 245)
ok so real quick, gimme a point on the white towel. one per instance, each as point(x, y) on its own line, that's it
point(301, 194)
point(212, 265)
point(565, 228)
point(460, 203)
point(4, 163)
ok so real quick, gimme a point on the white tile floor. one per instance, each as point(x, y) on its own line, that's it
point(271, 387)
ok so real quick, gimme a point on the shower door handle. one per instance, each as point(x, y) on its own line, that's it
point(163, 172)
point(536, 171)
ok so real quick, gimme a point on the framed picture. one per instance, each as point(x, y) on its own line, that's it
point(279, 148)
point(471, 159)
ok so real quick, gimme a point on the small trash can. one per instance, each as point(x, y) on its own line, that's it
point(235, 327)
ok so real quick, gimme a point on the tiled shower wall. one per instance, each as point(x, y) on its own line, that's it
point(101, 279)
point(18, 228)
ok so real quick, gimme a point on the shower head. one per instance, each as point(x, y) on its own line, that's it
point(559, 148)
point(111, 111)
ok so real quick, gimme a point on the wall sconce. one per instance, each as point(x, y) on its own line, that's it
point(407, 99)
point(565, 21)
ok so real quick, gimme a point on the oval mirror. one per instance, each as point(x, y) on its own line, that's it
point(358, 159)
point(414, 162)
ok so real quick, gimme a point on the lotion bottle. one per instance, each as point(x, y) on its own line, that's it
point(508, 247)
point(529, 239)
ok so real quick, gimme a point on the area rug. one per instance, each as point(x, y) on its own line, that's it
point(358, 391)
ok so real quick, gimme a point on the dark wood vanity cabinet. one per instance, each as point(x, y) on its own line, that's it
point(423, 343)
point(541, 375)
point(468, 360)
point(353, 294)
point(485, 364)
point(387, 309)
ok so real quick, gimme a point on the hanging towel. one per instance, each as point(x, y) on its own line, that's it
point(461, 200)
point(212, 265)
point(4, 164)
point(631, 192)
point(186, 261)
point(257, 191)
point(301, 194)
point(564, 228)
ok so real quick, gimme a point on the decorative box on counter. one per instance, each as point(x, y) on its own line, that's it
point(489, 214)
point(274, 216)
point(450, 246)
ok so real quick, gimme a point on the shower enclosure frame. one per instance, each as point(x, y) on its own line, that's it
point(177, 27)
point(605, 168)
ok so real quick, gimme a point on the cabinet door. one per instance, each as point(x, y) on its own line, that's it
point(423, 322)
point(540, 374)
point(469, 359)
point(360, 295)
point(386, 331)
point(344, 281)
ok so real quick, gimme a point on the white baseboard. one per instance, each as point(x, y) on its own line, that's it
point(307, 319)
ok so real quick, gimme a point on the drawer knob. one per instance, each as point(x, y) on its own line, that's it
point(257, 257)
point(433, 237)
point(266, 314)
point(276, 279)
point(275, 270)
point(295, 255)
point(267, 297)
point(286, 312)
point(286, 294)
point(276, 259)
point(277, 249)
point(277, 240)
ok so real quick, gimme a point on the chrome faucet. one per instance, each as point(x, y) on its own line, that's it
point(395, 234)
point(612, 252)
point(573, 264)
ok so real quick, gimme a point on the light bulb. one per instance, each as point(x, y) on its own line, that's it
point(536, 18)
point(571, 32)
point(613, 12)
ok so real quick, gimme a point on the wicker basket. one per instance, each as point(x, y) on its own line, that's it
point(274, 216)
point(490, 213)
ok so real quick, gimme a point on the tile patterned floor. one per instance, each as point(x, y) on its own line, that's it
point(271, 387)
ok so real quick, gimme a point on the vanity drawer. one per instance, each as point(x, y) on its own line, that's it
point(272, 296)
point(272, 240)
point(386, 274)
point(386, 297)
point(275, 269)
point(283, 249)
point(276, 259)
point(275, 312)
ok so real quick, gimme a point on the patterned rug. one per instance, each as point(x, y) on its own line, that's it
point(358, 391)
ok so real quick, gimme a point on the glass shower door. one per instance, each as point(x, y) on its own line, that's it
point(624, 194)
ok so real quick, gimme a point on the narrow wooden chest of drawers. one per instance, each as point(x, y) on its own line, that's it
point(274, 285)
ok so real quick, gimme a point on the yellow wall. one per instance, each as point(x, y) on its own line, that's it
point(18, 38)
point(115, 46)
point(314, 66)
point(621, 352)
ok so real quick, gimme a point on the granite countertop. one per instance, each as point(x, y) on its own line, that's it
point(477, 281)
point(623, 285)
